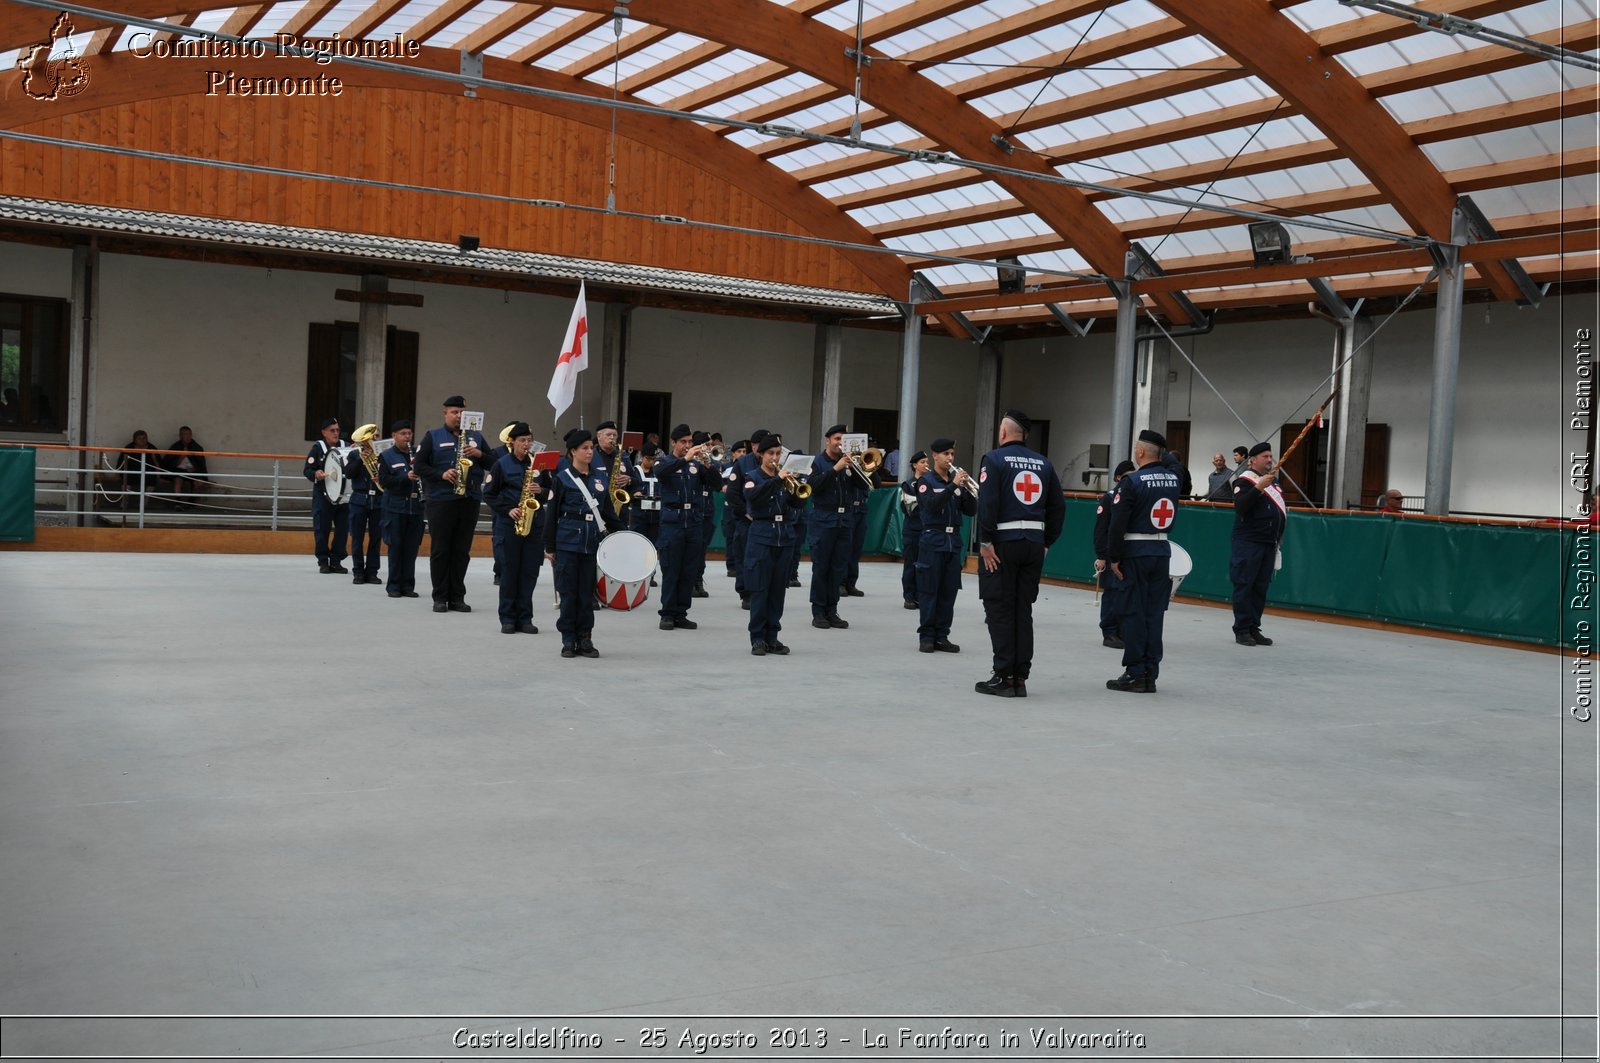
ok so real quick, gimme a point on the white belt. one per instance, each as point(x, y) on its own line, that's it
point(1148, 536)
point(1020, 525)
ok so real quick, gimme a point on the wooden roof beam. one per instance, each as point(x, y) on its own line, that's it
point(309, 14)
point(560, 37)
point(502, 26)
point(437, 20)
point(379, 12)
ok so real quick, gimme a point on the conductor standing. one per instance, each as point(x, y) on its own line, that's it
point(1020, 515)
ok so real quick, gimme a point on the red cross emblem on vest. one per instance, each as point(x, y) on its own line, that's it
point(1162, 512)
point(1026, 486)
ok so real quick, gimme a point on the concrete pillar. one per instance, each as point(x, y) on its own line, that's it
point(1150, 390)
point(1348, 449)
point(1446, 370)
point(81, 337)
point(372, 355)
point(614, 343)
point(827, 353)
point(985, 419)
point(910, 372)
point(1122, 372)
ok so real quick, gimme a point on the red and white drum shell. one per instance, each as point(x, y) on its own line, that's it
point(625, 562)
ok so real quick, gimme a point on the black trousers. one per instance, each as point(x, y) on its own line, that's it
point(451, 524)
point(1144, 613)
point(1250, 568)
point(366, 537)
point(330, 527)
point(1008, 595)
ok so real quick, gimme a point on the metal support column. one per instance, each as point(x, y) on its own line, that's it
point(1122, 370)
point(1348, 450)
point(1446, 370)
point(986, 417)
point(614, 363)
point(1153, 359)
point(828, 351)
point(372, 354)
point(910, 369)
point(80, 355)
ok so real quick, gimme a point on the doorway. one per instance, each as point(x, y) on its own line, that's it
point(649, 411)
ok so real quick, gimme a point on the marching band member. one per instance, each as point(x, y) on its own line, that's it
point(684, 476)
point(941, 501)
point(835, 497)
point(858, 539)
point(708, 517)
point(770, 505)
point(488, 485)
point(330, 521)
point(645, 516)
point(521, 556)
point(1020, 514)
point(366, 520)
point(1143, 508)
point(402, 511)
point(452, 516)
point(608, 452)
point(733, 529)
point(911, 529)
point(1112, 589)
point(734, 506)
point(579, 516)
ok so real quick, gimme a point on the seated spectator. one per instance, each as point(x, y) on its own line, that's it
point(189, 470)
point(140, 471)
point(1391, 501)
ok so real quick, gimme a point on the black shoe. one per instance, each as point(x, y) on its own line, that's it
point(440, 607)
point(396, 594)
point(667, 624)
point(1244, 638)
point(909, 604)
point(1113, 641)
point(497, 581)
point(946, 646)
point(1019, 688)
point(851, 592)
point(508, 629)
point(336, 567)
point(359, 580)
point(685, 623)
point(459, 607)
point(998, 685)
point(777, 647)
point(586, 649)
point(653, 582)
point(731, 572)
point(758, 649)
point(820, 621)
point(324, 569)
point(1132, 684)
point(1261, 640)
point(372, 577)
point(924, 647)
point(834, 621)
point(410, 594)
point(528, 629)
point(699, 589)
point(744, 603)
point(569, 651)
point(794, 583)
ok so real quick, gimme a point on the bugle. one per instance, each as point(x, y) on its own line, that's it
point(971, 485)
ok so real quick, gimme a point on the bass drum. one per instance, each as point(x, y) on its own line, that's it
point(626, 562)
point(1182, 565)
point(337, 485)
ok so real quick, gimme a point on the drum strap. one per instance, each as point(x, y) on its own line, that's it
point(594, 507)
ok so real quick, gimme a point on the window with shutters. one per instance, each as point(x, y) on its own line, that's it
point(33, 364)
point(331, 377)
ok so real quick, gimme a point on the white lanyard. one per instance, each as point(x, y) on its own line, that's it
point(594, 507)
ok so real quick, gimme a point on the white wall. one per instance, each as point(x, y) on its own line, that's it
point(224, 348)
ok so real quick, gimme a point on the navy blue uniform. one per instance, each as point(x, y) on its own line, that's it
point(836, 498)
point(682, 543)
point(521, 557)
point(366, 520)
point(771, 539)
point(644, 515)
point(452, 518)
point(573, 534)
point(940, 553)
point(1144, 507)
point(910, 534)
point(1259, 519)
point(736, 522)
point(496, 538)
point(402, 520)
point(601, 463)
point(1021, 513)
point(330, 522)
point(1113, 589)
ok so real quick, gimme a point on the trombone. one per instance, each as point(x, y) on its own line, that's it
point(866, 462)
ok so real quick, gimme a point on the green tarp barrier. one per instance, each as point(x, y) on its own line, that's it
point(1482, 579)
point(16, 494)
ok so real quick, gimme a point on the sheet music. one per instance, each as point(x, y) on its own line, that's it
point(797, 464)
point(854, 442)
point(472, 420)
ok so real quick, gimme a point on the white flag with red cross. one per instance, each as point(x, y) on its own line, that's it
point(574, 357)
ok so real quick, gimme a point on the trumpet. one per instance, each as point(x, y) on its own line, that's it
point(363, 437)
point(717, 454)
point(971, 485)
point(797, 487)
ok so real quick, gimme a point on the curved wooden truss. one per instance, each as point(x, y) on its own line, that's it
point(1239, 67)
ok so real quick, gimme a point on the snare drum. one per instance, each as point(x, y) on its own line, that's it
point(1182, 564)
point(626, 561)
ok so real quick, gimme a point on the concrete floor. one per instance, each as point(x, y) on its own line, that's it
point(232, 786)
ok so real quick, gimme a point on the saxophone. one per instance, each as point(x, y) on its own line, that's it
point(463, 464)
point(369, 457)
point(527, 503)
point(619, 494)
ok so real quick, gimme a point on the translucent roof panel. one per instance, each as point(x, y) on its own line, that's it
point(703, 73)
point(472, 20)
point(402, 20)
point(1527, 142)
point(338, 17)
